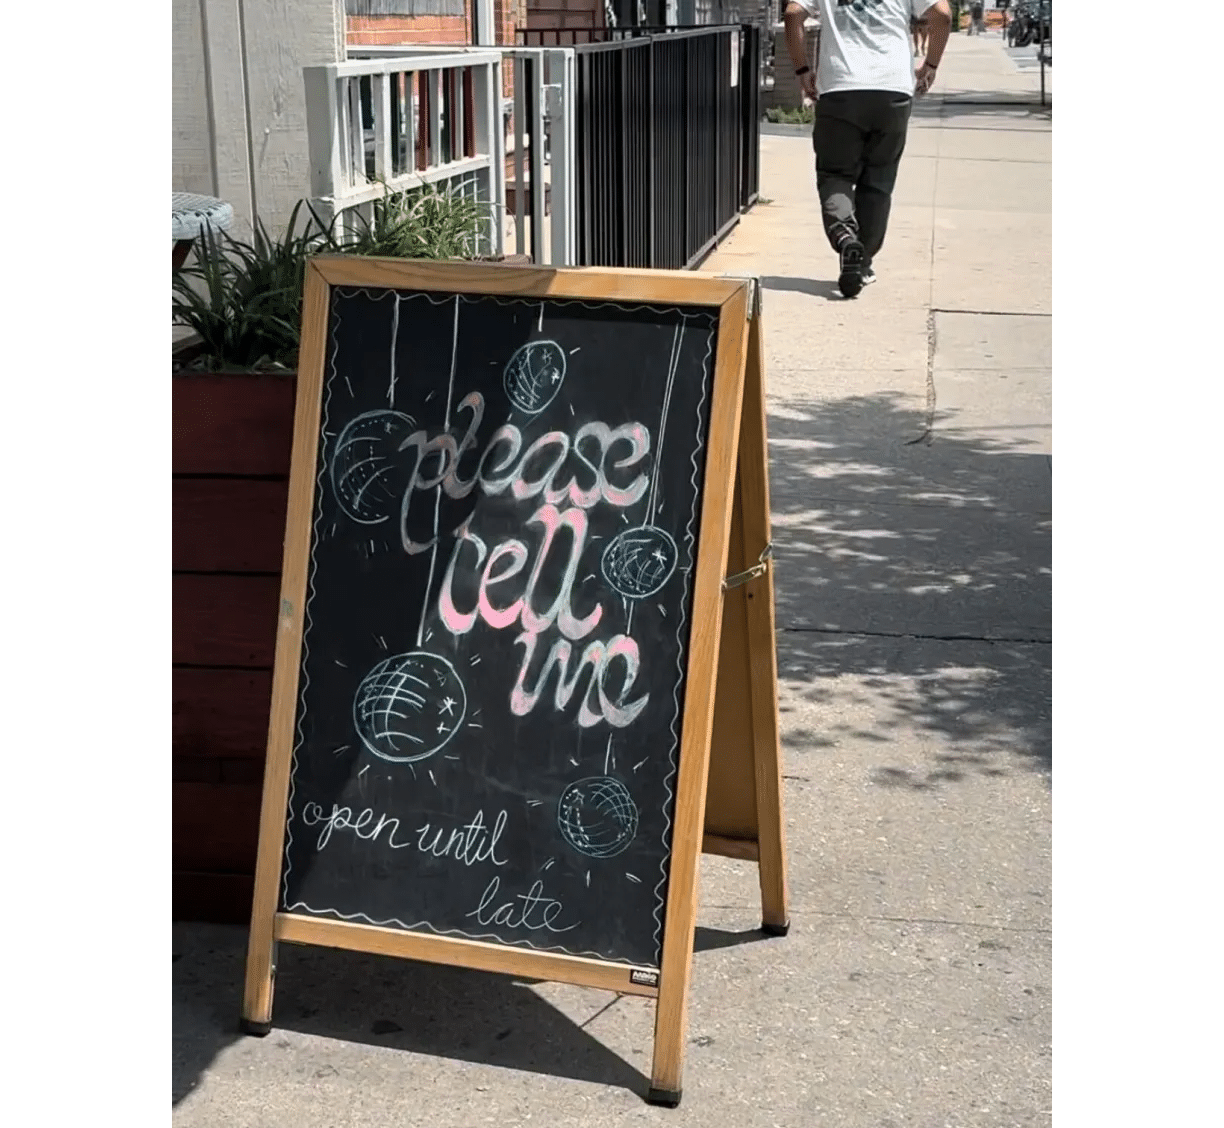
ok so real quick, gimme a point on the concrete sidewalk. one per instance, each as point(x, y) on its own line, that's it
point(910, 441)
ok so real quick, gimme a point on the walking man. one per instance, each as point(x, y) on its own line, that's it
point(864, 85)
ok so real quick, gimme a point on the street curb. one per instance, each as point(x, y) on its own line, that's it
point(785, 129)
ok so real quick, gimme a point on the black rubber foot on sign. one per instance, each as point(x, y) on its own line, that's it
point(668, 1098)
point(258, 1029)
point(776, 929)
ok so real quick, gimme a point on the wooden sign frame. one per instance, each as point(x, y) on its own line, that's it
point(742, 683)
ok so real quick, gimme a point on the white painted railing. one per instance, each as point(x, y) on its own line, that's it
point(404, 136)
point(404, 120)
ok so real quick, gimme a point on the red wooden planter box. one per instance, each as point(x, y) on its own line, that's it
point(232, 440)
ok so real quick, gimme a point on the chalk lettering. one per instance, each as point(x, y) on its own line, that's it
point(551, 520)
point(598, 657)
point(471, 844)
point(517, 551)
point(531, 910)
point(341, 818)
point(512, 436)
point(524, 487)
point(453, 485)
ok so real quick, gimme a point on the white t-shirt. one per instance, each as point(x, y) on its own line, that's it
point(865, 44)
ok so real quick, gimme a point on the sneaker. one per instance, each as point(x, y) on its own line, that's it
point(869, 275)
point(850, 281)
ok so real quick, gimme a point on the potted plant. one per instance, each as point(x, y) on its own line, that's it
point(232, 416)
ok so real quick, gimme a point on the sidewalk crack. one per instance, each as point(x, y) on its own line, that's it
point(928, 429)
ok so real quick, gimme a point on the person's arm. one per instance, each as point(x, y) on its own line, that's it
point(939, 27)
point(796, 45)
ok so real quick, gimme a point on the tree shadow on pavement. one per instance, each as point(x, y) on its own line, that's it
point(912, 584)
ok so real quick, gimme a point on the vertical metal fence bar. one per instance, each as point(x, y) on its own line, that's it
point(535, 155)
point(516, 122)
point(625, 127)
point(652, 164)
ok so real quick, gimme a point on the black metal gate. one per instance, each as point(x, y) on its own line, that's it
point(667, 141)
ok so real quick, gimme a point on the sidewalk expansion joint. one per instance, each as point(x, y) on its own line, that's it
point(1040, 930)
point(993, 312)
point(921, 637)
point(928, 429)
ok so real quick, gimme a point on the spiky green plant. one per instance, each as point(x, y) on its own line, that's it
point(421, 223)
point(244, 298)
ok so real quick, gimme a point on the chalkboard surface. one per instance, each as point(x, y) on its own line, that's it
point(497, 620)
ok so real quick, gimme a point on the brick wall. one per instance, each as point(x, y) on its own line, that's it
point(382, 31)
point(565, 13)
point(385, 31)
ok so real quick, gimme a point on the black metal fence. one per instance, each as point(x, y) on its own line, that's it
point(667, 139)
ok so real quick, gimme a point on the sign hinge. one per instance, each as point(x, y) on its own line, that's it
point(758, 569)
point(753, 307)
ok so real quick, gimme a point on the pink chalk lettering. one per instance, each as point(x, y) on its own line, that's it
point(456, 621)
point(524, 487)
point(524, 700)
point(503, 618)
point(618, 714)
point(552, 520)
point(639, 440)
point(572, 492)
point(513, 437)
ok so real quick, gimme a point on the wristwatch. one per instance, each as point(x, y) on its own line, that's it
point(803, 70)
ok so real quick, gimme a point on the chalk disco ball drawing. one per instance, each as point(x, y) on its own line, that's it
point(534, 375)
point(638, 562)
point(409, 706)
point(597, 816)
point(368, 472)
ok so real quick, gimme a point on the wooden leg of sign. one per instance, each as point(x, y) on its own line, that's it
point(261, 948)
point(261, 945)
point(671, 1012)
point(762, 641)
